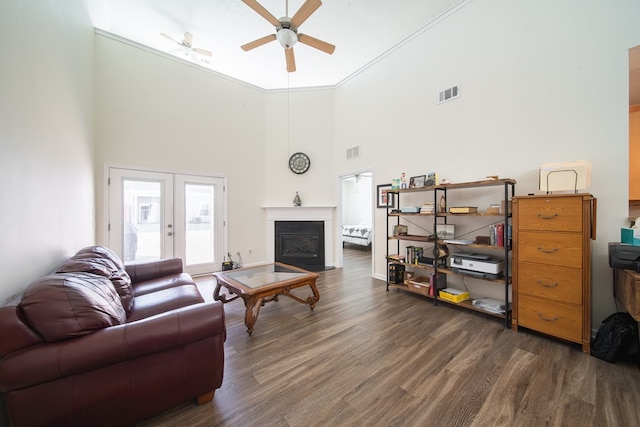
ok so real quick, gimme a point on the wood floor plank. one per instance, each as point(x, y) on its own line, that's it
point(367, 356)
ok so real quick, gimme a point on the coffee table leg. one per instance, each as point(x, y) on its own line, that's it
point(316, 296)
point(252, 309)
point(216, 292)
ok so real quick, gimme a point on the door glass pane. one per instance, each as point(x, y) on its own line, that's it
point(142, 220)
point(199, 236)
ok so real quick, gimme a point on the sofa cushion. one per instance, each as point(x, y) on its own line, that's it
point(160, 283)
point(104, 262)
point(66, 305)
point(164, 300)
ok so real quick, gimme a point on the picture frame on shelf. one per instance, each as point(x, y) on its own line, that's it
point(385, 199)
point(417, 181)
point(432, 179)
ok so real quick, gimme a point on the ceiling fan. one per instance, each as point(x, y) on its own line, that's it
point(287, 30)
point(187, 48)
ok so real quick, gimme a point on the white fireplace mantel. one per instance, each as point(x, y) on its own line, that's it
point(301, 213)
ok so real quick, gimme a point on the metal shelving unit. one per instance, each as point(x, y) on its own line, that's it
point(440, 218)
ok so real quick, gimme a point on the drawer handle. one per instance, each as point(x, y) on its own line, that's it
point(547, 216)
point(547, 251)
point(547, 319)
point(547, 285)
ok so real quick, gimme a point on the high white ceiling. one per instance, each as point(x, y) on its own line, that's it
point(361, 30)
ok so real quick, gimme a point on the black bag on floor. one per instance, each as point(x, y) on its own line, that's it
point(617, 339)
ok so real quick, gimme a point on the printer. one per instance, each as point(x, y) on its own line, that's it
point(624, 256)
point(476, 265)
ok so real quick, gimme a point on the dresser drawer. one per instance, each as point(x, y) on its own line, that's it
point(550, 214)
point(560, 320)
point(560, 284)
point(562, 249)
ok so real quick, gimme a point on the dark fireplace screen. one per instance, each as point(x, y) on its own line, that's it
point(300, 243)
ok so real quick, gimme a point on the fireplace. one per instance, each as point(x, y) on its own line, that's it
point(300, 243)
point(324, 214)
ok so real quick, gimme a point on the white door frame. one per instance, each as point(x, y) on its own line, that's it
point(339, 252)
point(180, 217)
point(221, 212)
point(114, 213)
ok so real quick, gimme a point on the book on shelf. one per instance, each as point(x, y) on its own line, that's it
point(427, 208)
point(413, 253)
point(463, 209)
point(500, 234)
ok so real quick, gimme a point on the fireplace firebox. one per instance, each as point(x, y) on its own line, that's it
point(300, 243)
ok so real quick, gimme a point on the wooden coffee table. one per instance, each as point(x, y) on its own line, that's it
point(260, 284)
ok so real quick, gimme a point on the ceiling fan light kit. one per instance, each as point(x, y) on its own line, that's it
point(287, 38)
point(287, 30)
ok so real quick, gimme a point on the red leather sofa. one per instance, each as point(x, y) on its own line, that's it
point(100, 344)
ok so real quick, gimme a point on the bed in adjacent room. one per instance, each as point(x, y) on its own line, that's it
point(356, 235)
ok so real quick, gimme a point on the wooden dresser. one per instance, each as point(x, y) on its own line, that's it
point(552, 265)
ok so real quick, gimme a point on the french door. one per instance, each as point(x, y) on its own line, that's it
point(155, 215)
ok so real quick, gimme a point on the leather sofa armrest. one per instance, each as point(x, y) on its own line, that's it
point(16, 333)
point(141, 271)
point(109, 346)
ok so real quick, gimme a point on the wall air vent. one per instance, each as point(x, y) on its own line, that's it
point(353, 152)
point(448, 94)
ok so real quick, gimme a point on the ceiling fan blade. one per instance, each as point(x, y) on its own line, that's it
point(202, 51)
point(316, 43)
point(253, 4)
point(168, 37)
point(305, 11)
point(259, 42)
point(188, 38)
point(291, 60)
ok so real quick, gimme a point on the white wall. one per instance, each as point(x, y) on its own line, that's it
point(46, 129)
point(158, 113)
point(540, 82)
point(301, 120)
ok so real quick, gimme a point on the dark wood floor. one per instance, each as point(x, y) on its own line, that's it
point(367, 357)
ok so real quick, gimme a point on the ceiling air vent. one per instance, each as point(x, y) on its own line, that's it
point(353, 152)
point(448, 94)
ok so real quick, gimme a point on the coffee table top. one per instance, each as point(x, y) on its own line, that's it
point(264, 275)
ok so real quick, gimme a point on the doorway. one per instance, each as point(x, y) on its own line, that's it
point(356, 222)
point(155, 215)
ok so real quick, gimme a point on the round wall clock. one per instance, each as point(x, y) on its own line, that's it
point(299, 163)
